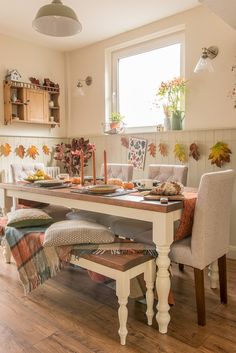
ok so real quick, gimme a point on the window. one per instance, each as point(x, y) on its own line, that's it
point(136, 74)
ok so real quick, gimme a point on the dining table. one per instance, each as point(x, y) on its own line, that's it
point(162, 217)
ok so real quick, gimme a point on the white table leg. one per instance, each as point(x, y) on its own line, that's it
point(214, 274)
point(6, 203)
point(149, 277)
point(122, 292)
point(163, 233)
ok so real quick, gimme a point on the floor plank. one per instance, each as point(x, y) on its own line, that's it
point(72, 314)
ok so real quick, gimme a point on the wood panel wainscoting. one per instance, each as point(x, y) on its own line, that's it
point(71, 313)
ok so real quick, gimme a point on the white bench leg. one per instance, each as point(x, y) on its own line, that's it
point(122, 292)
point(214, 274)
point(149, 277)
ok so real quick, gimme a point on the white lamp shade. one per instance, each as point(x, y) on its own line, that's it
point(57, 20)
point(204, 64)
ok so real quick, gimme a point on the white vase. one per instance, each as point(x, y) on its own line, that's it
point(167, 124)
point(51, 104)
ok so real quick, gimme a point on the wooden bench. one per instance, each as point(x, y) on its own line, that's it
point(122, 268)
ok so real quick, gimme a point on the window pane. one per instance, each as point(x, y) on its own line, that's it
point(139, 78)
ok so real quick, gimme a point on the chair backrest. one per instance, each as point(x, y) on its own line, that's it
point(53, 172)
point(211, 227)
point(20, 171)
point(121, 171)
point(168, 172)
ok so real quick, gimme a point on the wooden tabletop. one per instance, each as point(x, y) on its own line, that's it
point(129, 200)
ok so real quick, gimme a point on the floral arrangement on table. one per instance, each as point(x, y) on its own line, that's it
point(69, 154)
point(172, 94)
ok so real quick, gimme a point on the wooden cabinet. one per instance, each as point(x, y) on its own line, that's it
point(29, 103)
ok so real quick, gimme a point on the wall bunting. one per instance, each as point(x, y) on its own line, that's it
point(137, 152)
point(152, 149)
point(46, 150)
point(180, 152)
point(5, 150)
point(32, 152)
point(220, 154)
point(194, 151)
point(163, 149)
point(20, 151)
point(124, 141)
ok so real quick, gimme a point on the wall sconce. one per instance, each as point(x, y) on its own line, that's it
point(204, 63)
point(88, 81)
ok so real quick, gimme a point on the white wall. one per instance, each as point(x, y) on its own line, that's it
point(32, 60)
point(207, 104)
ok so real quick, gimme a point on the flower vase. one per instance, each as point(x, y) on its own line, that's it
point(176, 120)
point(167, 123)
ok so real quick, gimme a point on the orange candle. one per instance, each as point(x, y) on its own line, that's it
point(94, 167)
point(82, 167)
point(105, 167)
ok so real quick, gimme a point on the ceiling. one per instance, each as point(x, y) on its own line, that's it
point(100, 19)
point(227, 13)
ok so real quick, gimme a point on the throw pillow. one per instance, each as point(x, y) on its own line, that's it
point(186, 221)
point(77, 232)
point(28, 217)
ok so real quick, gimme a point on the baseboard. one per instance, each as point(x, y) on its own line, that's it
point(232, 252)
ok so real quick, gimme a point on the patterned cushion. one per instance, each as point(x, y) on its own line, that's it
point(28, 217)
point(76, 232)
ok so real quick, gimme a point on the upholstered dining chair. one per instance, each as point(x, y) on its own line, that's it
point(116, 170)
point(19, 171)
point(209, 241)
point(168, 172)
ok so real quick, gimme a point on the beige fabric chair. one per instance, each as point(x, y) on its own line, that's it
point(19, 171)
point(210, 235)
point(167, 172)
point(120, 171)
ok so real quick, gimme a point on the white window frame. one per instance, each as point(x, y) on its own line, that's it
point(155, 40)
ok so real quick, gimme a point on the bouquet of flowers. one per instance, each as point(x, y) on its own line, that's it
point(172, 92)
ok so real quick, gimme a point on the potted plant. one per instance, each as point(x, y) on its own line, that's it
point(173, 93)
point(115, 120)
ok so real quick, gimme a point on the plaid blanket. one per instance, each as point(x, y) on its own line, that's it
point(35, 264)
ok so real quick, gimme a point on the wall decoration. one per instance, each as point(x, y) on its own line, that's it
point(13, 75)
point(32, 152)
point(46, 150)
point(5, 150)
point(20, 151)
point(180, 152)
point(194, 151)
point(69, 154)
point(152, 149)
point(163, 149)
point(137, 152)
point(124, 141)
point(220, 154)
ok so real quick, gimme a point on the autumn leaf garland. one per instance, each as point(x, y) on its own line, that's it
point(220, 154)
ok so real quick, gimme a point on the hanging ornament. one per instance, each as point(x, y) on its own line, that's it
point(124, 141)
point(5, 150)
point(220, 154)
point(20, 151)
point(152, 148)
point(163, 149)
point(32, 152)
point(194, 151)
point(46, 150)
point(180, 152)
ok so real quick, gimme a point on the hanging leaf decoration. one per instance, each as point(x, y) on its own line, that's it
point(46, 150)
point(5, 149)
point(220, 154)
point(152, 148)
point(194, 151)
point(20, 151)
point(32, 152)
point(180, 152)
point(163, 149)
point(124, 141)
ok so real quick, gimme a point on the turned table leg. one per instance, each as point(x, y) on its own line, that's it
point(122, 292)
point(149, 277)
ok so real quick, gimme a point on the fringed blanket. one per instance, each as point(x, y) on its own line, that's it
point(35, 264)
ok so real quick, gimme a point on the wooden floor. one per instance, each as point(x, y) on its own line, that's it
point(72, 314)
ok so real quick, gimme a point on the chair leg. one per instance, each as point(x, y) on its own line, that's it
point(200, 296)
point(122, 292)
point(149, 277)
point(223, 279)
point(181, 267)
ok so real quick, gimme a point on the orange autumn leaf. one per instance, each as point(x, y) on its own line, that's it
point(163, 149)
point(152, 149)
point(46, 150)
point(20, 151)
point(194, 151)
point(32, 152)
point(5, 149)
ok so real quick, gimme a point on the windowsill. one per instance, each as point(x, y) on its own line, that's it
point(140, 129)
